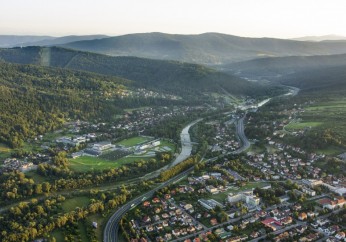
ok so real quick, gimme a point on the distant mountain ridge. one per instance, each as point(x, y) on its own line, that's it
point(330, 37)
point(8, 41)
point(207, 48)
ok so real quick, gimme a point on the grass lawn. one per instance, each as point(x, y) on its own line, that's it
point(37, 177)
point(100, 221)
point(331, 150)
point(302, 125)
point(71, 203)
point(168, 144)
point(87, 163)
point(133, 141)
point(58, 235)
point(83, 232)
point(5, 151)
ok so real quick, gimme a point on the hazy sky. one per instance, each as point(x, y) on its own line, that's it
point(254, 18)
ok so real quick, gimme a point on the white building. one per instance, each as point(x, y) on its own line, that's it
point(246, 196)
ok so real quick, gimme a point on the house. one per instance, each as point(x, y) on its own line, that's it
point(301, 228)
point(188, 206)
point(302, 216)
point(157, 210)
point(254, 234)
point(286, 220)
point(176, 232)
point(331, 204)
point(212, 189)
point(230, 227)
point(146, 204)
point(168, 236)
point(213, 221)
point(146, 219)
point(340, 235)
point(311, 214)
point(271, 223)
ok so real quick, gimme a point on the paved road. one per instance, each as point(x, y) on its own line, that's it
point(112, 227)
point(241, 134)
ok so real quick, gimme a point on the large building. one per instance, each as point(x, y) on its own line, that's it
point(312, 183)
point(209, 204)
point(247, 196)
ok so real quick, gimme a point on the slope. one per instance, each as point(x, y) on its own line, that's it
point(274, 68)
point(182, 79)
point(34, 100)
point(208, 48)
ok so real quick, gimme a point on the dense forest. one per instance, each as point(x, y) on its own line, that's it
point(178, 78)
point(34, 100)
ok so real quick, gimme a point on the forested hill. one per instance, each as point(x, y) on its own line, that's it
point(34, 100)
point(179, 78)
point(274, 68)
point(207, 48)
point(319, 80)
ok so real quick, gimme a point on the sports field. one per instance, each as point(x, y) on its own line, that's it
point(133, 141)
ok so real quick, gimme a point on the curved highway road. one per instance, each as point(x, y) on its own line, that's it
point(241, 134)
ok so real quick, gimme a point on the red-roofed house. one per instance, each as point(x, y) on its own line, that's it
point(270, 222)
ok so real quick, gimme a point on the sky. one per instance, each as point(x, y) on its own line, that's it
point(250, 18)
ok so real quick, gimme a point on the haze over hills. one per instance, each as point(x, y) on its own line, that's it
point(274, 68)
point(168, 76)
point(208, 48)
point(330, 37)
point(8, 41)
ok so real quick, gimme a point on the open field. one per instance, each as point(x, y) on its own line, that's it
point(87, 163)
point(133, 141)
point(302, 125)
point(70, 204)
point(331, 150)
point(58, 235)
point(101, 222)
point(36, 177)
point(5, 151)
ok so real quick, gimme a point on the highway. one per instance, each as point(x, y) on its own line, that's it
point(241, 134)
